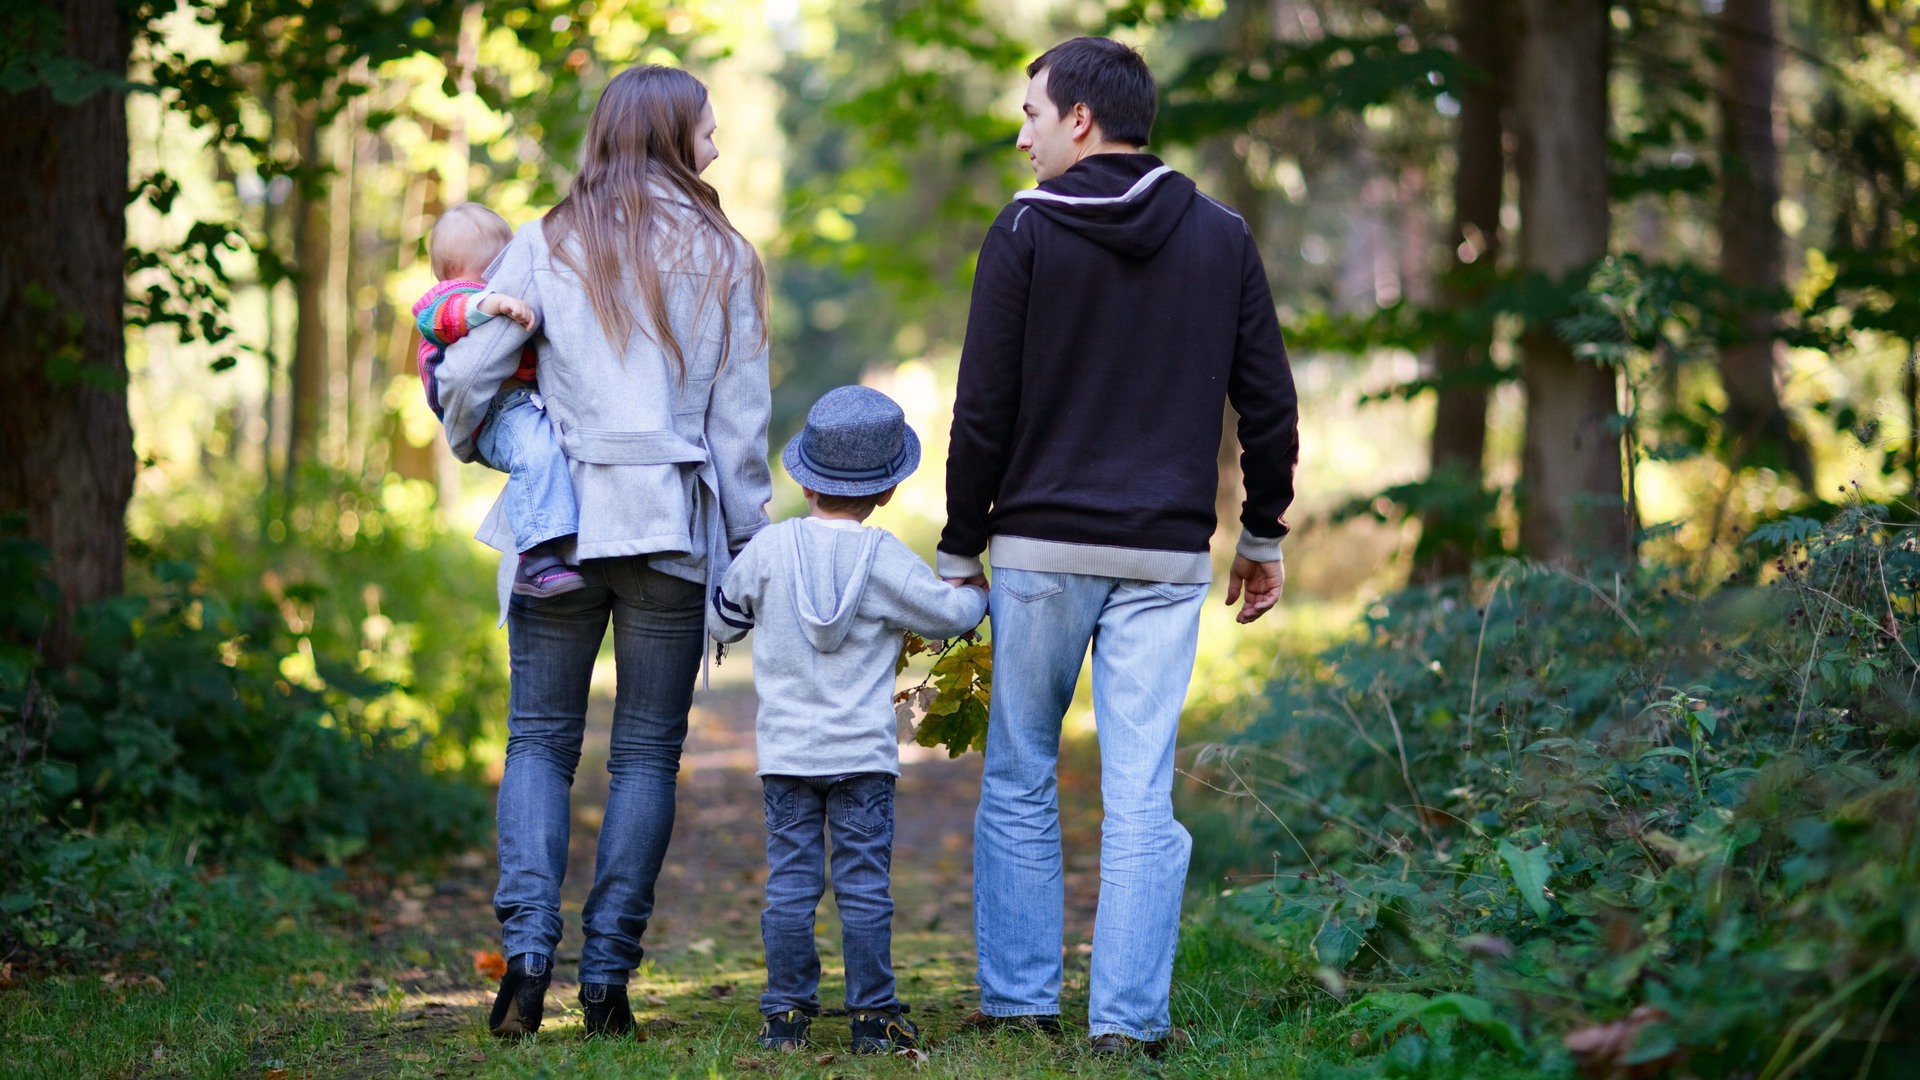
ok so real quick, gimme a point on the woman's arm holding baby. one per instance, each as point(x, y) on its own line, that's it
point(476, 364)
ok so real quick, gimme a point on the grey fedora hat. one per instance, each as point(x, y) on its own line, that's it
point(856, 442)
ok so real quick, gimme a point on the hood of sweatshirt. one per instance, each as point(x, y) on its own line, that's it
point(1126, 203)
point(832, 565)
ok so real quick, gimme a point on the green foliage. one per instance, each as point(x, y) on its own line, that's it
point(952, 701)
point(1633, 823)
point(217, 721)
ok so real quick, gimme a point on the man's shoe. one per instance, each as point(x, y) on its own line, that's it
point(522, 997)
point(786, 1032)
point(979, 1021)
point(1116, 1044)
point(884, 1032)
point(606, 1009)
point(541, 576)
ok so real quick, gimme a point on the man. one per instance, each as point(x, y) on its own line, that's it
point(1115, 310)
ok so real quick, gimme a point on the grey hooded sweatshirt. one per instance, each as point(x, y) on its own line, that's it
point(827, 601)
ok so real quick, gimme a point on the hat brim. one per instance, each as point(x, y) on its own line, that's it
point(902, 467)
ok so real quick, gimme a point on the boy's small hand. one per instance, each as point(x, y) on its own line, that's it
point(961, 582)
point(512, 307)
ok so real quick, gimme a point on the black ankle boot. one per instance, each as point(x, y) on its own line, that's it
point(522, 997)
point(606, 1009)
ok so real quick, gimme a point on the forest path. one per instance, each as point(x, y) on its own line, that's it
point(705, 966)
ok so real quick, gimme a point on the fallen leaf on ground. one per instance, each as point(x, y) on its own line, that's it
point(477, 1057)
point(1603, 1050)
point(653, 999)
point(824, 1059)
point(745, 1062)
point(274, 1074)
point(722, 991)
point(918, 1057)
point(489, 963)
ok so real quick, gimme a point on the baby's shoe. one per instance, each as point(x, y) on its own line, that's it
point(786, 1032)
point(884, 1032)
point(542, 575)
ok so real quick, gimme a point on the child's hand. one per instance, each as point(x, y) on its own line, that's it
point(512, 307)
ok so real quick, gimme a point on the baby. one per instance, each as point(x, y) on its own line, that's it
point(515, 436)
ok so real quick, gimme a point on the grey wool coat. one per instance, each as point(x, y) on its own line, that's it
point(663, 465)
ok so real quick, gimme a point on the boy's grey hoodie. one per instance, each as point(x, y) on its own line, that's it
point(827, 601)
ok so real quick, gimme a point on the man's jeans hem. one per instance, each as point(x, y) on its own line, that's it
point(1094, 1031)
point(1020, 1010)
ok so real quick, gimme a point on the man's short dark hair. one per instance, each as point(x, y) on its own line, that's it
point(848, 504)
point(1110, 78)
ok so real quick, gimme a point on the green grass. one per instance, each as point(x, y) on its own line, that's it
point(287, 991)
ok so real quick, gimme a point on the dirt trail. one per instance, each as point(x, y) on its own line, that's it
point(705, 936)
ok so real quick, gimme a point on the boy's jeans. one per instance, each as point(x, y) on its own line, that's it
point(517, 439)
point(857, 813)
point(659, 630)
point(1143, 636)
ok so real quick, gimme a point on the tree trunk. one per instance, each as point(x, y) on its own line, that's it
point(309, 383)
point(1574, 508)
point(1460, 413)
point(66, 443)
point(1750, 238)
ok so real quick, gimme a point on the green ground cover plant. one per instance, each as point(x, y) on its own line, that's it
point(1635, 825)
point(244, 706)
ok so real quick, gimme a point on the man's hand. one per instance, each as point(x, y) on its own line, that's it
point(511, 306)
point(958, 582)
point(1263, 582)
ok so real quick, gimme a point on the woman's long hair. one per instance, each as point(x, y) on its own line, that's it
point(642, 130)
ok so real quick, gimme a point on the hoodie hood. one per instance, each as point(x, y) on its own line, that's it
point(1126, 203)
point(831, 565)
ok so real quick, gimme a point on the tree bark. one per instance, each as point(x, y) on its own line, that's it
point(1751, 242)
point(66, 443)
point(309, 383)
point(1573, 507)
point(1481, 27)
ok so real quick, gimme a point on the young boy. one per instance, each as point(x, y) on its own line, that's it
point(515, 436)
point(827, 599)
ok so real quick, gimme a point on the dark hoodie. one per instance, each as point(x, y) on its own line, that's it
point(1116, 309)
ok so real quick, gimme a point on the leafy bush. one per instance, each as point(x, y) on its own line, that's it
point(1609, 824)
point(258, 718)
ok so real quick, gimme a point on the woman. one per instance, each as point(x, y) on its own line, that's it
point(653, 372)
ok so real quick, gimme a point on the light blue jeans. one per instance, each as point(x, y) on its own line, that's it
point(1143, 636)
point(659, 630)
point(516, 438)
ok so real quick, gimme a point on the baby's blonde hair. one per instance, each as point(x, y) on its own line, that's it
point(467, 237)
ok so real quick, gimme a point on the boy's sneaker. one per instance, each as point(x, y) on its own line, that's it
point(786, 1032)
point(522, 997)
point(884, 1032)
point(541, 576)
point(606, 1009)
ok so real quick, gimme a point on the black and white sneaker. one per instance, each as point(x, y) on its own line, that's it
point(884, 1032)
point(786, 1032)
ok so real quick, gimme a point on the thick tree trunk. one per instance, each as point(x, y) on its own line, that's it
point(1571, 466)
point(1750, 238)
point(66, 444)
point(1460, 416)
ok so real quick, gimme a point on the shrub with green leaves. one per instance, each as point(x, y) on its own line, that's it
point(1616, 823)
point(298, 703)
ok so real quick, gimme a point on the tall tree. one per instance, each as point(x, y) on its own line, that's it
point(1751, 241)
point(1462, 362)
point(1571, 463)
point(66, 443)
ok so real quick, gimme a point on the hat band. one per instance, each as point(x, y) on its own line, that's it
point(878, 472)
